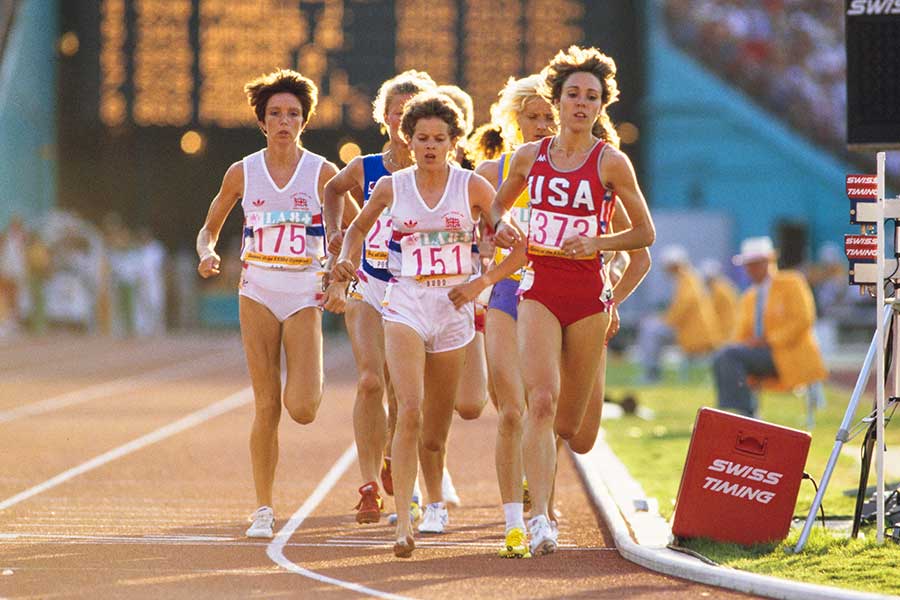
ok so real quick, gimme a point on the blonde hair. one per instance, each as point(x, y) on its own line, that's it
point(513, 96)
point(407, 82)
point(464, 102)
point(588, 60)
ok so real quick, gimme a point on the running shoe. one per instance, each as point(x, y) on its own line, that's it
point(516, 545)
point(435, 519)
point(263, 523)
point(415, 513)
point(543, 536)
point(368, 510)
point(404, 549)
point(387, 480)
point(526, 496)
point(448, 491)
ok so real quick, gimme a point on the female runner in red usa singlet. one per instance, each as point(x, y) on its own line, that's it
point(573, 179)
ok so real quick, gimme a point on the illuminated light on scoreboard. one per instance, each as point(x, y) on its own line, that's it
point(492, 30)
point(173, 63)
point(112, 62)
point(628, 132)
point(192, 142)
point(552, 25)
point(426, 37)
point(69, 43)
point(163, 62)
point(348, 151)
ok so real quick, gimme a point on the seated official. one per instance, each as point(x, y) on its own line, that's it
point(775, 332)
point(688, 321)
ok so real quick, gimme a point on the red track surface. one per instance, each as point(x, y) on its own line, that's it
point(164, 518)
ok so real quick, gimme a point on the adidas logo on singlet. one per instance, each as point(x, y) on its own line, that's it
point(541, 158)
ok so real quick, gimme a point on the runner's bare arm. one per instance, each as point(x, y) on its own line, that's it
point(469, 291)
point(336, 200)
point(480, 197)
point(381, 198)
point(638, 260)
point(230, 192)
point(489, 170)
point(512, 186)
point(617, 173)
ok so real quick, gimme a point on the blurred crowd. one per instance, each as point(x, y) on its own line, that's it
point(66, 273)
point(787, 54)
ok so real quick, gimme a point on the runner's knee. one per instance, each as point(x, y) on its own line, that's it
point(510, 417)
point(469, 411)
point(370, 385)
point(304, 411)
point(541, 405)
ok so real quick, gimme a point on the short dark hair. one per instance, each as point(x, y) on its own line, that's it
point(262, 88)
point(432, 104)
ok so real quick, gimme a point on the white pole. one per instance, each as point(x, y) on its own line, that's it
point(879, 384)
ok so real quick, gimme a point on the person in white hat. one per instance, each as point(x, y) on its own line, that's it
point(775, 339)
point(689, 320)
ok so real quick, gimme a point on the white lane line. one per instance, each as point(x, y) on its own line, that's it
point(275, 549)
point(244, 396)
point(183, 368)
point(30, 538)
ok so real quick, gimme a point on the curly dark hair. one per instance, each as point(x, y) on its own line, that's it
point(486, 143)
point(588, 60)
point(432, 104)
point(265, 86)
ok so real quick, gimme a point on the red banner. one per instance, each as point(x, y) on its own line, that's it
point(861, 247)
point(862, 186)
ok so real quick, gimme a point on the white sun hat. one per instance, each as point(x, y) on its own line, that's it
point(673, 254)
point(710, 267)
point(755, 248)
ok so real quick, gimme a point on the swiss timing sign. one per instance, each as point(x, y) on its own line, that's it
point(862, 187)
point(861, 247)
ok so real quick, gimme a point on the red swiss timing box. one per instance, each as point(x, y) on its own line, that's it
point(740, 480)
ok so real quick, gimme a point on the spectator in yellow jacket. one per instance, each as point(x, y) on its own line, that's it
point(775, 332)
point(724, 298)
point(688, 321)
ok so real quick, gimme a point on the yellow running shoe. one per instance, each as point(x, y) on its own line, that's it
point(516, 545)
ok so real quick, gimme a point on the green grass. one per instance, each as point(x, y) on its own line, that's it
point(654, 452)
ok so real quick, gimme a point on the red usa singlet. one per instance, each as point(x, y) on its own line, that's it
point(565, 204)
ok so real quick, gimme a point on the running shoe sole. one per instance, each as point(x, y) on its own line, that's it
point(369, 516)
point(544, 548)
point(404, 549)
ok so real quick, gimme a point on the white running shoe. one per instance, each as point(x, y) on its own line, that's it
point(543, 536)
point(435, 519)
point(263, 523)
point(448, 491)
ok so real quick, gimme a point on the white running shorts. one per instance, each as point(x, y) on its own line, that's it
point(431, 314)
point(284, 293)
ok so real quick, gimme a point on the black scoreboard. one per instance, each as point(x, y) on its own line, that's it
point(136, 75)
point(873, 73)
